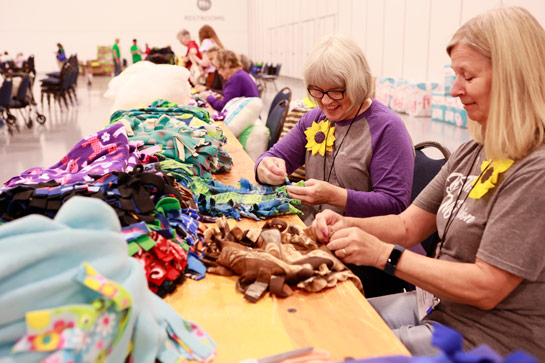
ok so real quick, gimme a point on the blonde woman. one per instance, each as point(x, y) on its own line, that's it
point(488, 277)
point(238, 83)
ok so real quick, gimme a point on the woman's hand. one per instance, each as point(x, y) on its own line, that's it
point(319, 192)
point(326, 223)
point(272, 171)
point(355, 246)
point(204, 94)
point(200, 88)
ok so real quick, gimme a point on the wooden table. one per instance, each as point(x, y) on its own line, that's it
point(338, 320)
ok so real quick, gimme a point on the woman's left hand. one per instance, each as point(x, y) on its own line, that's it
point(355, 246)
point(314, 192)
point(318, 192)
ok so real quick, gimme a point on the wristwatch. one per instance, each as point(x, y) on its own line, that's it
point(392, 261)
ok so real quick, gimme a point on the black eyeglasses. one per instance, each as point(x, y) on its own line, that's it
point(333, 94)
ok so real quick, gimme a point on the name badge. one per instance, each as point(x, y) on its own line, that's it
point(426, 302)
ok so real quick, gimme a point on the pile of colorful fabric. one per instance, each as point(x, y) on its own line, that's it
point(275, 258)
point(70, 293)
point(247, 200)
point(144, 160)
point(182, 133)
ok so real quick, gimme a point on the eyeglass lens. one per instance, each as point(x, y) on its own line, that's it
point(334, 95)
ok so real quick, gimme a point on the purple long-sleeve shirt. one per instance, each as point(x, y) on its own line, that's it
point(239, 84)
point(375, 163)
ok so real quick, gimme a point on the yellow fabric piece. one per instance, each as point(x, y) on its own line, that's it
point(39, 319)
point(490, 171)
point(309, 102)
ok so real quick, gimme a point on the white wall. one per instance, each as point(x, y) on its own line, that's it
point(400, 38)
point(35, 27)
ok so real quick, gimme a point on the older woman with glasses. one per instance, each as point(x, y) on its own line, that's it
point(357, 153)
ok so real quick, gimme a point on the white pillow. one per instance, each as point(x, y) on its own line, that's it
point(242, 112)
point(255, 139)
point(144, 82)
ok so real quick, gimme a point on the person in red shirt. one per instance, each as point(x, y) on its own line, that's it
point(192, 47)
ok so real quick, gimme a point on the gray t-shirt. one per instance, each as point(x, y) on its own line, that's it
point(505, 229)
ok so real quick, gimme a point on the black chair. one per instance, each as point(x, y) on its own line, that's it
point(272, 74)
point(425, 169)
point(5, 99)
point(23, 101)
point(284, 94)
point(269, 73)
point(61, 88)
point(275, 121)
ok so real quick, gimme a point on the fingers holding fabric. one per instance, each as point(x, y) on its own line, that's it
point(272, 171)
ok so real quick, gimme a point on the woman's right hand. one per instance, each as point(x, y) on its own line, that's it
point(272, 171)
point(326, 223)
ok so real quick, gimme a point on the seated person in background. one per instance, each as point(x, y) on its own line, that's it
point(357, 153)
point(489, 269)
point(19, 61)
point(246, 64)
point(192, 48)
point(237, 82)
point(217, 82)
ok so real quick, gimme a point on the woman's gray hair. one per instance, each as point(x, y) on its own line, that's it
point(337, 61)
point(182, 33)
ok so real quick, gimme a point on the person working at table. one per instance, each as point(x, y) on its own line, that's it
point(488, 275)
point(237, 82)
point(357, 153)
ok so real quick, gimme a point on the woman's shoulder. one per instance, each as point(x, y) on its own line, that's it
point(534, 161)
point(315, 114)
point(378, 110)
point(206, 44)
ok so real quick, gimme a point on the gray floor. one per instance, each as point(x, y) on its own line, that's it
point(46, 145)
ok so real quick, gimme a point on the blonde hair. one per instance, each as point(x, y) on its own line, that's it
point(207, 32)
point(338, 60)
point(514, 42)
point(227, 59)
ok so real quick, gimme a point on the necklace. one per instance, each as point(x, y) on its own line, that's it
point(454, 211)
point(340, 145)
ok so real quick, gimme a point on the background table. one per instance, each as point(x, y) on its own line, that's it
point(338, 320)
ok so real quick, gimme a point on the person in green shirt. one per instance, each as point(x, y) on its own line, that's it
point(136, 52)
point(116, 57)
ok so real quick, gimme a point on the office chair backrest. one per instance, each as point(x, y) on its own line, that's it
point(275, 121)
point(425, 169)
point(283, 94)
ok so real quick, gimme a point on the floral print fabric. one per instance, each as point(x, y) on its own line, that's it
point(99, 153)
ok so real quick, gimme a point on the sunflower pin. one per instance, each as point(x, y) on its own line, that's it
point(316, 137)
point(490, 171)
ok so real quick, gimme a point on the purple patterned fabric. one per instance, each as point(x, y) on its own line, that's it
point(99, 153)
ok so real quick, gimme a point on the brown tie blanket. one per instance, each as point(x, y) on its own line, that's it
point(276, 257)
